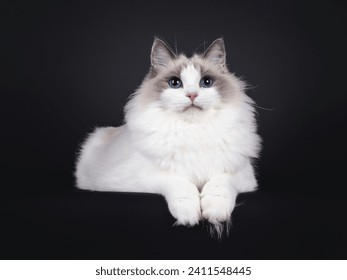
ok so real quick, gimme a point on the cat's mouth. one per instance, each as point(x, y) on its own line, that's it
point(192, 106)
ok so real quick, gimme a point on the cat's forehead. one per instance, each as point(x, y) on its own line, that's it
point(191, 72)
point(193, 66)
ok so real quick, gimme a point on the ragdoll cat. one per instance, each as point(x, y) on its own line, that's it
point(189, 135)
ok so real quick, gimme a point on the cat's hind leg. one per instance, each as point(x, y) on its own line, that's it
point(90, 151)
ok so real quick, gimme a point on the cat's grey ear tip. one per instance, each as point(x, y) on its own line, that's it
point(219, 41)
point(160, 43)
point(216, 44)
point(158, 40)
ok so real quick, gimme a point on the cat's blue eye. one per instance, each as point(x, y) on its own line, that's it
point(206, 82)
point(175, 82)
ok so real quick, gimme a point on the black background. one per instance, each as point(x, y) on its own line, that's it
point(67, 67)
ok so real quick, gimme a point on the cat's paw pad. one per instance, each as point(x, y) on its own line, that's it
point(216, 208)
point(186, 211)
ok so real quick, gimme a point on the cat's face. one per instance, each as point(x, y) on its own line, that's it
point(184, 84)
point(189, 88)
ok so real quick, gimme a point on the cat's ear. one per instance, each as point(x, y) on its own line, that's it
point(161, 54)
point(216, 53)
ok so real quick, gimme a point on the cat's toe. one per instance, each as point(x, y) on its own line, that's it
point(216, 209)
point(186, 211)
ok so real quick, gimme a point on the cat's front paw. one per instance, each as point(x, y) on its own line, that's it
point(217, 204)
point(186, 209)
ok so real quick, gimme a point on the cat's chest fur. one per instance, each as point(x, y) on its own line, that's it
point(196, 151)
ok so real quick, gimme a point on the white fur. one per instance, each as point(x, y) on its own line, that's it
point(198, 159)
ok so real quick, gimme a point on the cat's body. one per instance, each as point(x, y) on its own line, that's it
point(193, 143)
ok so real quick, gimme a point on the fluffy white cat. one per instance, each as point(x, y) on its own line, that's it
point(189, 135)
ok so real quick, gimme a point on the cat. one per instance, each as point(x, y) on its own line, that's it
point(189, 134)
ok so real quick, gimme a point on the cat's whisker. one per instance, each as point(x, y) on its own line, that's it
point(176, 43)
point(263, 108)
point(202, 44)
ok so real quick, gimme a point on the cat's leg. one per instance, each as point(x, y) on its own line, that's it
point(219, 194)
point(183, 199)
point(218, 198)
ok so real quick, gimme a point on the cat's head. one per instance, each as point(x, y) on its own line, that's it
point(181, 84)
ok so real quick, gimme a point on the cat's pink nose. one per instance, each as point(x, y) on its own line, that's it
point(192, 96)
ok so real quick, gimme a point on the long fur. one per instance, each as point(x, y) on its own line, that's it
point(198, 157)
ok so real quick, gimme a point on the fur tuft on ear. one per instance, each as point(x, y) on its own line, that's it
point(161, 54)
point(216, 53)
